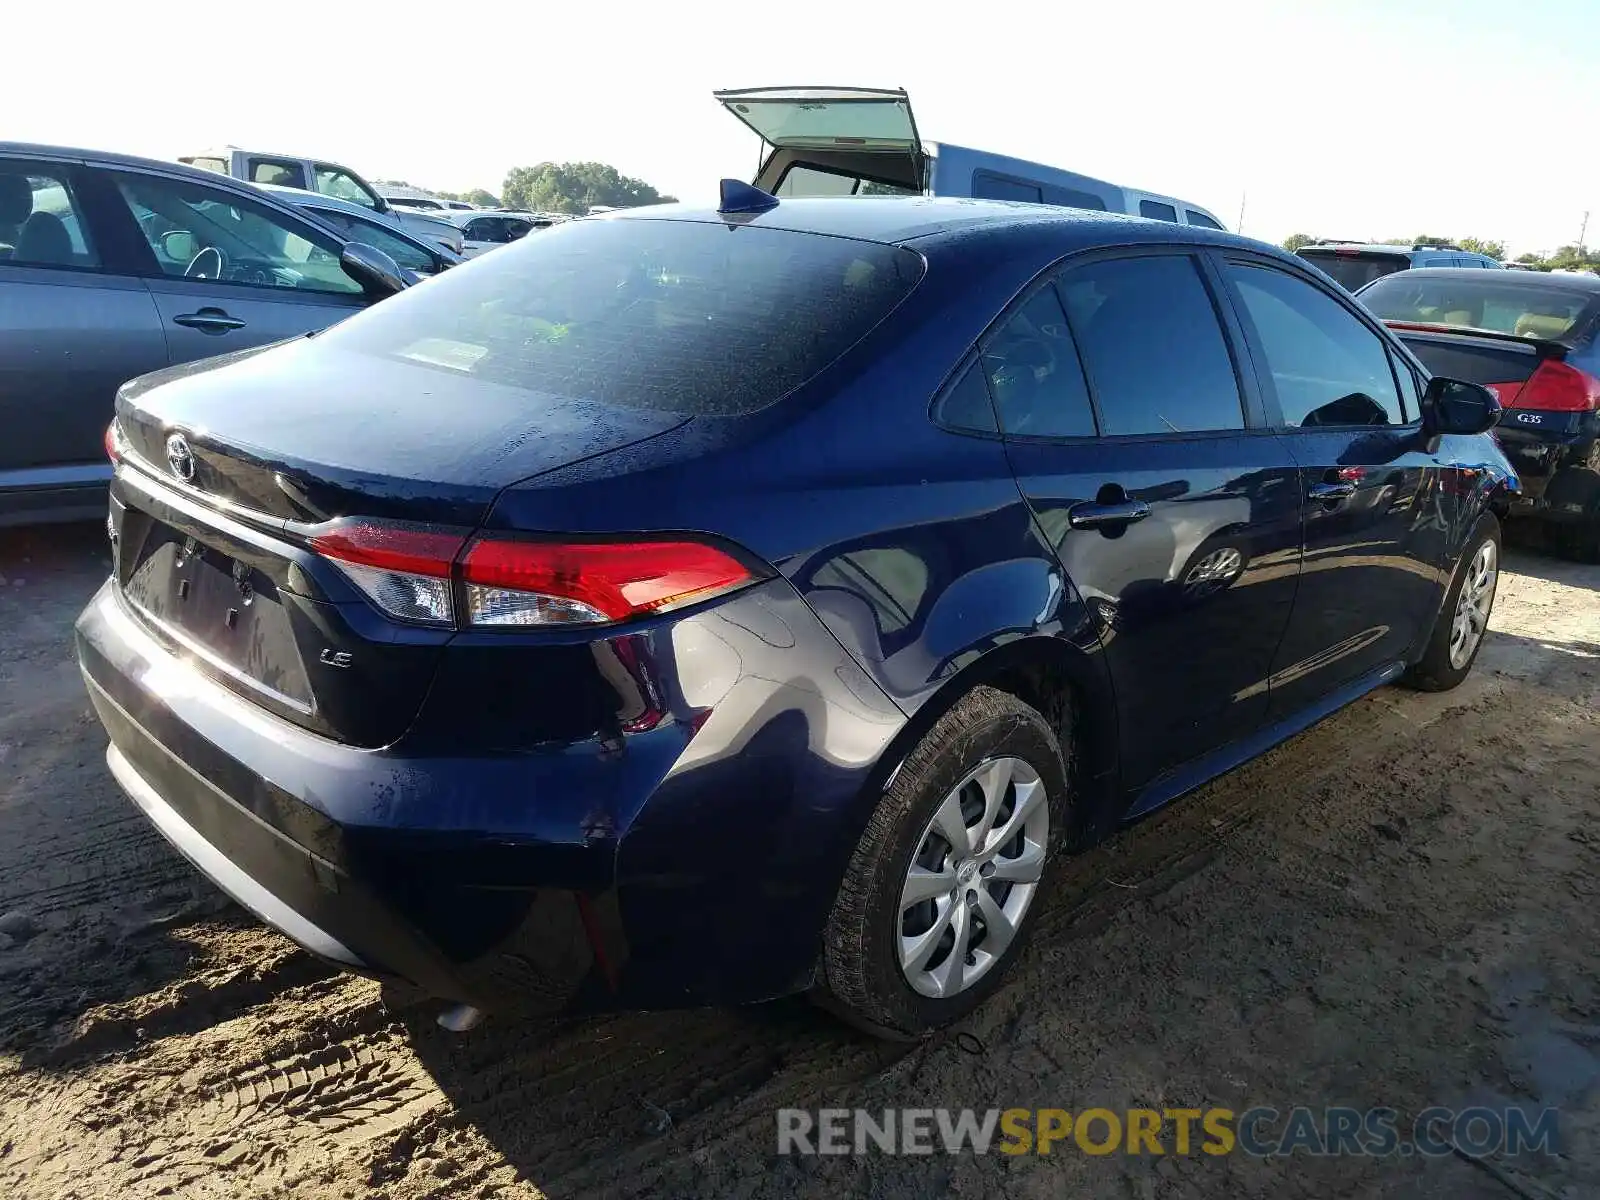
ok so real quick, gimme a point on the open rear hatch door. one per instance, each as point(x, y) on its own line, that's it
point(858, 136)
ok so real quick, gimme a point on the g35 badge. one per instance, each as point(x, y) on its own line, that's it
point(336, 658)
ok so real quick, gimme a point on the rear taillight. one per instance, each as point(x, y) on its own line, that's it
point(404, 569)
point(413, 573)
point(1553, 387)
point(115, 442)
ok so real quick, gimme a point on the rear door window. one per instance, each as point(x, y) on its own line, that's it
point(1200, 219)
point(1327, 368)
point(674, 316)
point(1153, 346)
point(1157, 211)
point(281, 172)
point(1034, 374)
point(41, 222)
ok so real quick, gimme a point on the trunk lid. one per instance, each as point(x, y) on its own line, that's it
point(1500, 361)
point(276, 430)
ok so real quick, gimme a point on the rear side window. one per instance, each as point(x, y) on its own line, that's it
point(1071, 198)
point(220, 166)
point(41, 222)
point(1327, 367)
point(1200, 219)
point(675, 316)
point(1034, 374)
point(1157, 211)
point(1153, 346)
point(987, 186)
point(966, 405)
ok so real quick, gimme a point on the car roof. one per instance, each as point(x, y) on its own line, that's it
point(109, 157)
point(1533, 280)
point(897, 219)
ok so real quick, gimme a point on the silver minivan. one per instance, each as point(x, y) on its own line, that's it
point(112, 267)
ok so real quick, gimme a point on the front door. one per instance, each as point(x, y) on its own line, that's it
point(1370, 503)
point(230, 274)
point(1175, 513)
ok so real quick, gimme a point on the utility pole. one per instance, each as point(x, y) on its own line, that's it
point(1239, 228)
point(1582, 230)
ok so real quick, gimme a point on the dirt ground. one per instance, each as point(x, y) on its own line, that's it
point(1397, 908)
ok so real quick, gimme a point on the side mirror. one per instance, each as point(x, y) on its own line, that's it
point(179, 245)
point(1452, 406)
point(374, 270)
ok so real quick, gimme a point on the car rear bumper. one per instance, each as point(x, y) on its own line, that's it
point(661, 873)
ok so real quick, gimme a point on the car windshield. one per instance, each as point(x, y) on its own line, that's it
point(679, 316)
point(1473, 302)
point(1354, 269)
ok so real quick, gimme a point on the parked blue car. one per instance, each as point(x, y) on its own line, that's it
point(691, 606)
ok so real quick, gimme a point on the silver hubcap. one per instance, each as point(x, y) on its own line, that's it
point(973, 876)
point(1214, 571)
point(1473, 605)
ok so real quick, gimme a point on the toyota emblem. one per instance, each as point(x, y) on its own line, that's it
point(179, 457)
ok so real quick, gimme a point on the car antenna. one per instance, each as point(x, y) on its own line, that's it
point(744, 198)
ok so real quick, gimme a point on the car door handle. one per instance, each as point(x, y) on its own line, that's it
point(1332, 493)
point(1091, 515)
point(208, 320)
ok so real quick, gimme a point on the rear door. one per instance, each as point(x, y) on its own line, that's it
point(75, 321)
point(1175, 512)
point(1374, 511)
point(228, 273)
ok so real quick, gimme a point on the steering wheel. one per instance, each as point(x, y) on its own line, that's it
point(207, 255)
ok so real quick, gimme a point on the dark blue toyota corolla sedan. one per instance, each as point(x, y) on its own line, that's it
point(694, 606)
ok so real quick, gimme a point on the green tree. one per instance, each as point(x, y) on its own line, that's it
point(1494, 250)
point(1296, 240)
point(575, 188)
point(479, 197)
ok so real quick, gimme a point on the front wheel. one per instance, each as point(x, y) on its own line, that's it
point(948, 876)
point(1463, 619)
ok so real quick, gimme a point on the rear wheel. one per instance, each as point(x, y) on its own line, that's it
point(1573, 528)
point(947, 878)
point(1463, 619)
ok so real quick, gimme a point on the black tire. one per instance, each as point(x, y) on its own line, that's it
point(862, 979)
point(1573, 530)
point(1433, 672)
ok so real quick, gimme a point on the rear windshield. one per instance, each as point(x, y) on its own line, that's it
point(1354, 269)
point(677, 316)
point(1477, 302)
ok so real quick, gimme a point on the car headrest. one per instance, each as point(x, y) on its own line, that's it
point(1540, 326)
point(43, 239)
point(16, 199)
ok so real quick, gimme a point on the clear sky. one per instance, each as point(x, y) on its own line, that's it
point(1356, 118)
